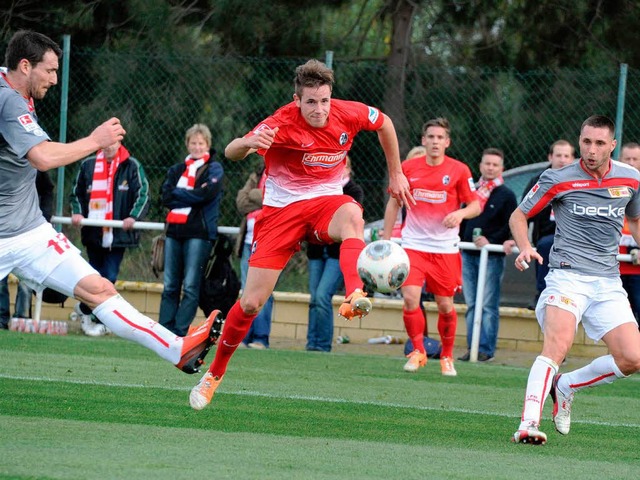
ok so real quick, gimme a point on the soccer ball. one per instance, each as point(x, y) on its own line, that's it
point(383, 266)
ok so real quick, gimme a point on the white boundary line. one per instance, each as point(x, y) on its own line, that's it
point(313, 398)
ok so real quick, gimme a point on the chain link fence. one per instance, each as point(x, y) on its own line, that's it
point(159, 97)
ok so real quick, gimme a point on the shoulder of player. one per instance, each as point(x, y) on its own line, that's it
point(622, 169)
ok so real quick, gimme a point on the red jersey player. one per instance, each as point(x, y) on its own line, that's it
point(304, 144)
point(439, 185)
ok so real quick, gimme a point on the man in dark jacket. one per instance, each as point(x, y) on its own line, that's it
point(491, 227)
point(561, 153)
point(110, 185)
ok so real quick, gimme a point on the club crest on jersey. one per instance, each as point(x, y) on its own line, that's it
point(446, 180)
point(323, 159)
point(344, 138)
point(373, 114)
point(429, 196)
point(619, 192)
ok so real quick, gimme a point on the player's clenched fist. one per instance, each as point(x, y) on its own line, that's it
point(109, 133)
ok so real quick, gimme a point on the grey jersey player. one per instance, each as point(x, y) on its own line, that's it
point(590, 199)
point(29, 246)
point(589, 214)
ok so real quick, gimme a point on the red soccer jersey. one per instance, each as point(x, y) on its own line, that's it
point(306, 162)
point(438, 191)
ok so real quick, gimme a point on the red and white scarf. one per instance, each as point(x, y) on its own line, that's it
point(188, 182)
point(484, 189)
point(101, 197)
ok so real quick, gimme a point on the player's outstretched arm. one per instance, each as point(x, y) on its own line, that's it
point(398, 183)
point(48, 155)
point(240, 147)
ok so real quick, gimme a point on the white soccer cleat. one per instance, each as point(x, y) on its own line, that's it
point(529, 434)
point(561, 407)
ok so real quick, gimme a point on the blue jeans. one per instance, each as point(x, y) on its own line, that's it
point(106, 261)
point(184, 261)
point(23, 302)
point(261, 326)
point(491, 303)
point(324, 279)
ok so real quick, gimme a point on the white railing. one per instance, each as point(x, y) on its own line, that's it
point(482, 277)
point(482, 270)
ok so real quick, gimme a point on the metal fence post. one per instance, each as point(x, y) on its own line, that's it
point(477, 313)
point(622, 93)
point(64, 108)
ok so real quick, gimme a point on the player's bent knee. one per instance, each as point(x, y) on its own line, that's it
point(250, 304)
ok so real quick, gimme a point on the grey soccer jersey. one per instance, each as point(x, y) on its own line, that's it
point(19, 132)
point(589, 214)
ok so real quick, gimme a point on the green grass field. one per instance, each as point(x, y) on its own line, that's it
point(76, 407)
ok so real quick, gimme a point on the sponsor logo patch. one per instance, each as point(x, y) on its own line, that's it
point(374, 113)
point(592, 211)
point(261, 127)
point(30, 125)
point(324, 160)
point(429, 196)
point(472, 185)
point(579, 184)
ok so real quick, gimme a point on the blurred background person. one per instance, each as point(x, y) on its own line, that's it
point(497, 202)
point(561, 154)
point(630, 272)
point(192, 191)
point(325, 278)
point(110, 185)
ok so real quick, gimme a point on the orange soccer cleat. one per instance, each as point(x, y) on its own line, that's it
point(355, 305)
point(198, 341)
point(202, 393)
point(416, 360)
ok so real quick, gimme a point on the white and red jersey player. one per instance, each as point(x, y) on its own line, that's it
point(438, 190)
point(444, 194)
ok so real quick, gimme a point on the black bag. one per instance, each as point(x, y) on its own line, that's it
point(220, 284)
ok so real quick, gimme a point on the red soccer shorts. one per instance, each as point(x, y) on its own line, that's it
point(441, 271)
point(280, 230)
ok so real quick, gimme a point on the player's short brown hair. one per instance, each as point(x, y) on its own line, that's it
point(599, 121)
point(314, 73)
point(28, 45)
point(437, 122)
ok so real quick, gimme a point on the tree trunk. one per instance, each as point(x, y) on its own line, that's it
point(402, 13)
